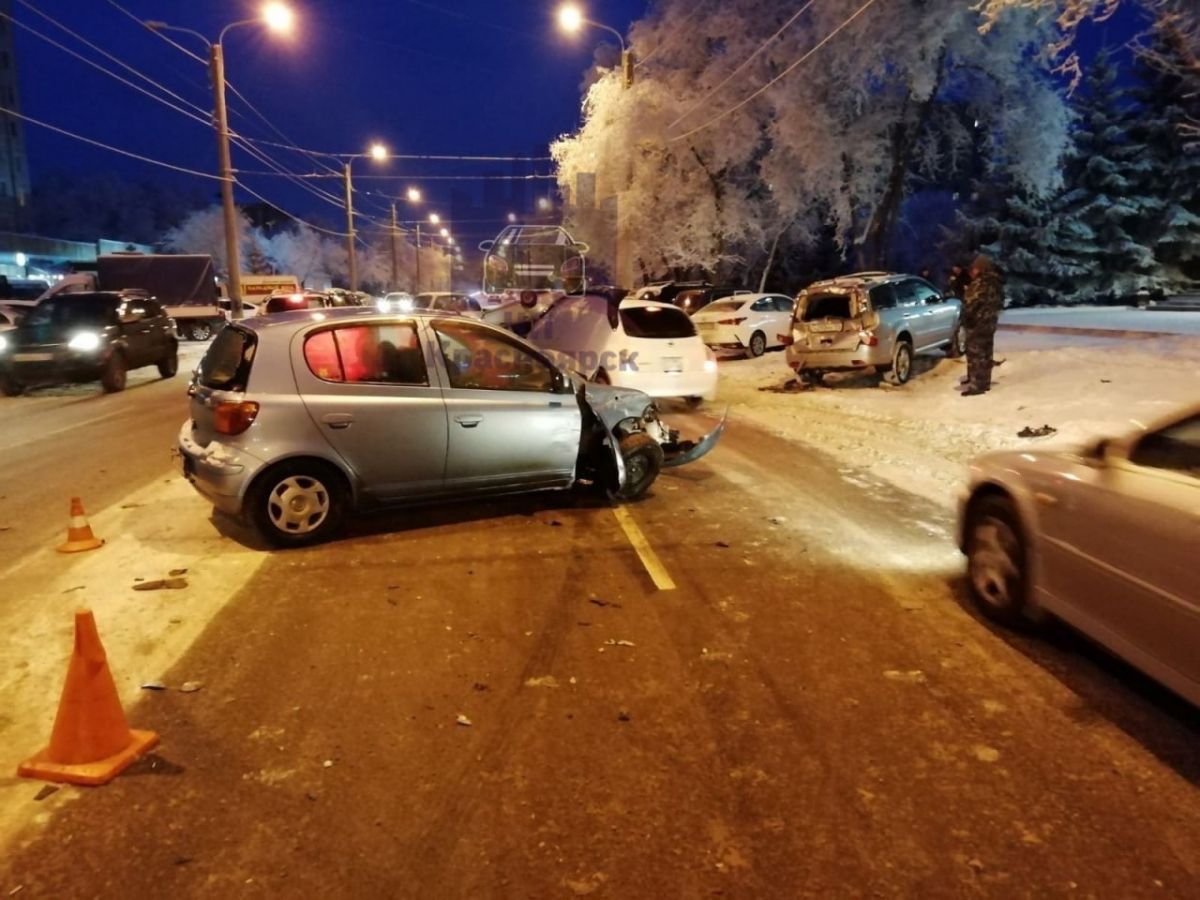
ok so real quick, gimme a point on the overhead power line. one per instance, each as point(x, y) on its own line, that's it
point(676, 31)
point(109, 147)
point(182, 49)
point(409, 156)
point(829, 37)
point(749, 59)
point(272, 203)
point(405, 177)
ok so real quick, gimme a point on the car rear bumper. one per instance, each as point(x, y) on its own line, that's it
point(668, 384)
point(721, 337)
point(858, 358)
point(221, 474)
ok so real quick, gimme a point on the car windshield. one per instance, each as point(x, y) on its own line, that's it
point(656, 322)
point(96, 310)
point(422, 301)
point(724, 306)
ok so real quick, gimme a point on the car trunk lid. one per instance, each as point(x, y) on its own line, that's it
point(221, 376)
point(829, 320)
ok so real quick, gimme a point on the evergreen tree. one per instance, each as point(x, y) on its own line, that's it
point(1102, 212)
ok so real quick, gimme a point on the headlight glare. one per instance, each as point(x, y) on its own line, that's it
point(85, 341)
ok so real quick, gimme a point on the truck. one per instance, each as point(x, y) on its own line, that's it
point(183, 283)
point(256, 289)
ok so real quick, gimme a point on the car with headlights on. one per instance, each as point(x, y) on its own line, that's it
point(1105, 537)
point(88, 336)
point(300, 418)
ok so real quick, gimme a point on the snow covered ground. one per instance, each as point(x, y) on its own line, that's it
point(920, 437)
point(1107, 318)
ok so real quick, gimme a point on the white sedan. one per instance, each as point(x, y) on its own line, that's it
point(640, 344)
point(746, 323)
point(1105, 537)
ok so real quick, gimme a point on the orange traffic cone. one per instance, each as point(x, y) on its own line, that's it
point(92, 742)
point(79, 533)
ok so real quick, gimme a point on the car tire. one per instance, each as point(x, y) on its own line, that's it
point(199, 331)
point(900, 370)
point(693, 402)
point(958, 341)
point(997, 561)
point(9, 386)
point(643, 461)
point(169, 365)
point(297, 503)
point(113, 378)
point(758, 345)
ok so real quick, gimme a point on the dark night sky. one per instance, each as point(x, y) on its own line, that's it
point(474, 77)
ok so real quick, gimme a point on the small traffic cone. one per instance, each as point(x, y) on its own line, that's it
point(91, 742)
point(79, 533)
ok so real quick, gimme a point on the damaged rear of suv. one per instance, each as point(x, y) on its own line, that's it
point(871, 321)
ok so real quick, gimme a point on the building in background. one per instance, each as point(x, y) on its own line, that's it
point(14, 166)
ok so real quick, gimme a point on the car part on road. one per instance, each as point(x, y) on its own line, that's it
point(996, 560)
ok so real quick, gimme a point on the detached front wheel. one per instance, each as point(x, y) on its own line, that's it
point(643, 458)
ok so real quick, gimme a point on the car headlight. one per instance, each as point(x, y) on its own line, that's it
point(405, 305)
point(85, 341)
point(382, 305)
point(3, 343)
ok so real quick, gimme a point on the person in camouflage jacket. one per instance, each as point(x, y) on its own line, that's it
point(982, 303)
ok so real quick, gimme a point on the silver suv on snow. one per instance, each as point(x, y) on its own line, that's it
point(871, 321)
point(300, 417)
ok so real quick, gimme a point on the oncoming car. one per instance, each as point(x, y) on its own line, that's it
point(299, 418)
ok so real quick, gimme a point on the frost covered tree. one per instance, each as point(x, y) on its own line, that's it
point(1102, 216)
point(204, 232)
point(716, 165)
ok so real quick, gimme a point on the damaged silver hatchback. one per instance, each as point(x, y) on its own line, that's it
point(299, 418)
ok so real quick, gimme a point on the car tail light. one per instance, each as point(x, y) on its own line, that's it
point(868, 338)
point(230, 417)
point(737, 321)
point(786, 339)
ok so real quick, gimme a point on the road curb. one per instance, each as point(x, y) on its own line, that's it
point(1090, 332)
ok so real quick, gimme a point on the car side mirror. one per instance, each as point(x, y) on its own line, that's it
point(562, 383)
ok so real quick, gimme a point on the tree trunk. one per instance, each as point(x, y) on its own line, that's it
point(762, 282)
point(718, 189)
point(904, 136)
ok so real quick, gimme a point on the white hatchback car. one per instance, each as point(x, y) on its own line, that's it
point(746, 323)
point(640, 344)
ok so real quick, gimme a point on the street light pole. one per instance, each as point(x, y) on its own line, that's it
point(350, 229)
point(395, 262)
point(417, 288)
point(216, 60)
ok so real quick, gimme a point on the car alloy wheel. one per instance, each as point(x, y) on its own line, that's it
point(996, 561)
point(958, 344)
point(758, 344)
point(902, 363)
point(200, 331)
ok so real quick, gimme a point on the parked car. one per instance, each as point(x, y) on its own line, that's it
point(1104, 537)
point(871, 321)
point(400, 409)
point(748, 324)
point(653, 347)
point(81, 337)
point(249, 307)
point(690, 296)
point(447, 301)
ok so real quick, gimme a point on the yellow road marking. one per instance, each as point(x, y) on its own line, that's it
point(655, 568)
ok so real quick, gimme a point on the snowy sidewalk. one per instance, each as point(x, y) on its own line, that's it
point(920, 437)
point(1102, 321)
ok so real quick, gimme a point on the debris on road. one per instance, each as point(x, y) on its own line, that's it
point(46, 791)
point(913, 676)
point(724, 545)
point(546, 681)
point(463, 720)
point(776, 520)
point(78, 587)
point(596, 601)
point(154, 686)
point(983, 753)
point(1044, 431)
point(328, 764)
point(190, 687)
point(177, 572)
point(162, 584)
point(623, 716)
point(619, 643)
point(554, 523)
point(480, 686)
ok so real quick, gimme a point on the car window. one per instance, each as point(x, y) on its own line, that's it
point(656, 322)
point(883, 296)
point(766, 304)
point(367, 354)
point(478, 358)
point(96, 310)
point(226, 364)
point(906, 292)
point(152, 308)
point(784, 304)
point(1176, 448)
point(924, 291)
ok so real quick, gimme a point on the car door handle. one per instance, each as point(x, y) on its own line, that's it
point(468, 421)
point(338, 420)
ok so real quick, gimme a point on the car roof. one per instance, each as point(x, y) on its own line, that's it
point(861, 279)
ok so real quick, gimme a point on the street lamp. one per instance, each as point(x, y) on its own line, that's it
point(379, 153)
point(276, 17)
point(414, 195)
point(512, 218)
point(571, 20)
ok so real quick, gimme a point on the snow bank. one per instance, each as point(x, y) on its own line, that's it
point(920, 437)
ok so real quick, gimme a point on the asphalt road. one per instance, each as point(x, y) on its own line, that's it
point(813, 711)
